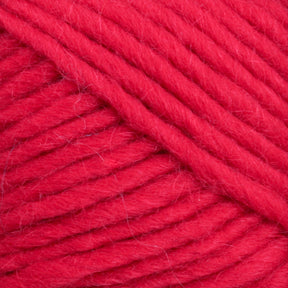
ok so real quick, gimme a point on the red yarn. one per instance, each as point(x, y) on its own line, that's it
point(144, 143)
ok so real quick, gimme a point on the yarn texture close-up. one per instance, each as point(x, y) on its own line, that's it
point(144, 143)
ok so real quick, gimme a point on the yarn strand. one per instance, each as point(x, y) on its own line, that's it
point(143, 143)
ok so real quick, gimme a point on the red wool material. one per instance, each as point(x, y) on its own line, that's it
point(144, 143)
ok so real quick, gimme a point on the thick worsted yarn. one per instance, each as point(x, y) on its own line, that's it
point(144, 143)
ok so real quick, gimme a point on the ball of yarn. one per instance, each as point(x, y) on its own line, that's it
point(144, 143)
